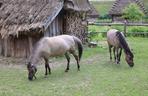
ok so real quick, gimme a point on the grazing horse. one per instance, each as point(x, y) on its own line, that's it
point(51, 47)
point(117, 40)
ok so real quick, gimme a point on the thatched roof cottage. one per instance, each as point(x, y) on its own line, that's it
point(24, 22)
point(119, 5)
point(92, 15)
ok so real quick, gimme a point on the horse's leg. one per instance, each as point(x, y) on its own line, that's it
point(120, 52)
point(68, 61)
point(47, 67)
point(77, 59)
point(114, 51)
point(110, 51)
point(117, 59)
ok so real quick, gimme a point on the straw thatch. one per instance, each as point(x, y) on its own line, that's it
point(119, 5)
point(93, 13)
point(25, 16)
point(77, 5)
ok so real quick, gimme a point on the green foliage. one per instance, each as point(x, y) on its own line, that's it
point(102, 7)
point(120, 28)
point(95, 36)
point(146, 4)
point(138, 29)
point(132, 12)
point(96, 32)
point(93, 28)
point(106, 16)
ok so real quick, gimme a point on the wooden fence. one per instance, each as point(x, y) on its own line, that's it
point(125, 27)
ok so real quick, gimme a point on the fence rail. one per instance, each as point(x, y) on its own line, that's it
point(142, 34)
point(119, 24)
point(122, 24)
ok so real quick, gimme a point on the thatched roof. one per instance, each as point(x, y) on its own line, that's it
point(93, 13)
point(23, 16)
point(77, 5)
point(119, 5)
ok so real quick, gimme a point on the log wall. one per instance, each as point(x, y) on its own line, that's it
point(22, 45)
point(56, 27)
point(18, 46)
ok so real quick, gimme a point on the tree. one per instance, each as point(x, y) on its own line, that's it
point(132, 12)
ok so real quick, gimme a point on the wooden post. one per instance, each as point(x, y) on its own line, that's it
point(125, 24)
point(30, 44)
point(6, 48)
point(1, 46)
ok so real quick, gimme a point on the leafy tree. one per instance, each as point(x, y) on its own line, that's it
point(132, 12)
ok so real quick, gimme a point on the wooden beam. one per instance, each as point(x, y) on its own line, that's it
point(119, 24)
point(30, 44)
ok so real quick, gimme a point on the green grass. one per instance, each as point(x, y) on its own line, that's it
point(102, 7)
point(98, 76)
point(145, 4)
point(94, 28)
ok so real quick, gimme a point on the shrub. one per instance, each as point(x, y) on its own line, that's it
point(132, 12)
point(138, 29)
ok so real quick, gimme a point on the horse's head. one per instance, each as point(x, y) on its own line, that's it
point(129, 59)
point(31, 71)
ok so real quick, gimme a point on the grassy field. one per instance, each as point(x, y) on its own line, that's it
point(94, 28)
point(98, 76)
point(102, 7)
point(145, 4)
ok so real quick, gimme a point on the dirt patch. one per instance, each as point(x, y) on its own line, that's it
point(54, 62)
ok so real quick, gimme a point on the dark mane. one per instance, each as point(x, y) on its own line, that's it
point(123, 43)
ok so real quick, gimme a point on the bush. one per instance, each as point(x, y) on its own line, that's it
point(138, 29)
point(132, 12)
point(95, 36)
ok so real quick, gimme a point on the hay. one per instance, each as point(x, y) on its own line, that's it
point(23, 16)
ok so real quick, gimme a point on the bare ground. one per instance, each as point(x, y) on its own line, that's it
point(54, 62)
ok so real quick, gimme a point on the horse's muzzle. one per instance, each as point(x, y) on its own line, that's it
point(30, 78)
point(131, 65)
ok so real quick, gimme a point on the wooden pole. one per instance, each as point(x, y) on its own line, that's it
point(30, 44)
point(125, 24)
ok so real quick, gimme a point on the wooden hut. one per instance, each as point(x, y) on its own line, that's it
point(24, 22)
point(92, 15)
point(119, 5)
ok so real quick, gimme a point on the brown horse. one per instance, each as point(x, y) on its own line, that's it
point(51, 47)
point(117, 40)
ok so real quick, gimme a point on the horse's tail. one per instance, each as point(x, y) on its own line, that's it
point(80, 46)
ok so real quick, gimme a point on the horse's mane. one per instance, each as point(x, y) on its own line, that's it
point(123, 43)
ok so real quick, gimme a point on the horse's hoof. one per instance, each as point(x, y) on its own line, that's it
point(45, 76)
